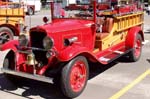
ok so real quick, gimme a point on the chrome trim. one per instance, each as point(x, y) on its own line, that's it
point(26, 75)
point(52, 41)
point(26, 39)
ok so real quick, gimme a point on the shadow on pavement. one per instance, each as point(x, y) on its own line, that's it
point(45, 90)
point(148, 60)
point(97, 68)
point(31, 88)
point(5, 84)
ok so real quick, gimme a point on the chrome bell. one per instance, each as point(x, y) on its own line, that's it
point(31, 59)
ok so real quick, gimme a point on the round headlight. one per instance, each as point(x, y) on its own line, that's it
point(23, 41)
point(48, 43)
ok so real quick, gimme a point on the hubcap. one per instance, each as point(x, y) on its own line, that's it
point(30, 11)
point(78, 76)
point(5, 37)
point(137, 48)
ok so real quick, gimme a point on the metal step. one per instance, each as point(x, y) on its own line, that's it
point(104, 59)
point(118, 52)
point(27, 75)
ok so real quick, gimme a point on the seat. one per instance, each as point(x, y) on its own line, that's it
point(100, 36)
point(106, 28)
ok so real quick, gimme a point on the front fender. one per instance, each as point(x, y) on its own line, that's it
point(131, 36)
point(71, 52)
point(3, 55)
point(10, 45)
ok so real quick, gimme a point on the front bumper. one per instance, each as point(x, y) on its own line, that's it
point(27, 75)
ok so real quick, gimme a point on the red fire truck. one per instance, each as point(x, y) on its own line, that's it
point(60, 50)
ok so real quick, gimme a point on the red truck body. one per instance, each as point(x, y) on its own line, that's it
point(60, 50)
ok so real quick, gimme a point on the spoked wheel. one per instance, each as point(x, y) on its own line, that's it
point(135, 54)
point(74, 77)
point(30, 11)
point(6, 35)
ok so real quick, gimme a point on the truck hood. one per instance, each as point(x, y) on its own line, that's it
point(59, 25)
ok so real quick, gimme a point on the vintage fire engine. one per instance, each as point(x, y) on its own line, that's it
point(59, 51)
point(11, 20)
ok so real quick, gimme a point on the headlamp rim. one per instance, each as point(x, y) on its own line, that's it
point(27, 40)
point(52, 40)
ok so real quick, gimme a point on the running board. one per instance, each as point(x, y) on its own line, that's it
point(118, 52)
point(26, 75)
point(113, 56)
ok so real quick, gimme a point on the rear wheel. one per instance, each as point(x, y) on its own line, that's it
point(74, 77)
point(6, 34)
point(30, 11)
point(135, 54)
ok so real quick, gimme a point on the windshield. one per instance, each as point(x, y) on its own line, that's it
point(73, 10)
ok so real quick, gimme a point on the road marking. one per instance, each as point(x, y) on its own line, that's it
point(129, 86)
point(145, 42)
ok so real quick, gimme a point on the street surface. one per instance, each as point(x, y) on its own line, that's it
point(118, 80)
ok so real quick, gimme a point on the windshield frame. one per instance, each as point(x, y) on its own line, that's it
point(92, 17)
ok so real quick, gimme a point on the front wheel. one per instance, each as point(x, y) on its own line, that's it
point(9, 63)
point(6, 34)
point(135, 54)
point(74, 77)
